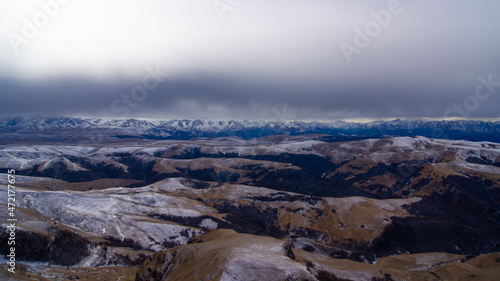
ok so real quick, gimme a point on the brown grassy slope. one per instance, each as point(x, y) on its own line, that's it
point(225, 254)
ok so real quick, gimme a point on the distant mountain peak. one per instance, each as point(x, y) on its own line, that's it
point(474, 130)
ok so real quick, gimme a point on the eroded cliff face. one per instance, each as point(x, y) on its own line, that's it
point(332, 205)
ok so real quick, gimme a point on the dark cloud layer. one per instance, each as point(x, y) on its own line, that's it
point(225, 97)
point(264, 60)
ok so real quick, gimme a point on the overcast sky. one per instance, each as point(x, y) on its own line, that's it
point(256, 59)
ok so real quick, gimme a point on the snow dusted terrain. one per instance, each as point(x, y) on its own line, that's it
point(95, 129)
point(290, 207)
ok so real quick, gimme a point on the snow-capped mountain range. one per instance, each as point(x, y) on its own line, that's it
point(185, 129)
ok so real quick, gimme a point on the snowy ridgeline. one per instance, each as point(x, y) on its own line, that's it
point(472, 130)
point(379, 151)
